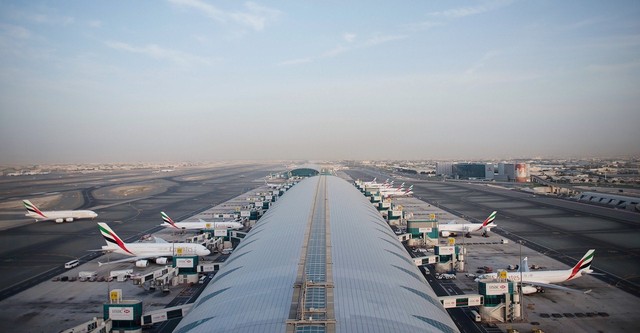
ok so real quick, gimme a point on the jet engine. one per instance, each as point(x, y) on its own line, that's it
point(161, 261)
point(448, 233)
point(531, 290)
point(69, 219)
point(142, 263)
point(59, 220)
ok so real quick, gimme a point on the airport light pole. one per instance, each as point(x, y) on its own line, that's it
point(520, 241)
point(108, 279)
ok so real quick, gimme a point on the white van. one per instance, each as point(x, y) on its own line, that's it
point(72, 264)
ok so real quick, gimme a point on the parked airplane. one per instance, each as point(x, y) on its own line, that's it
point(373, 184)
point(272, 185)
point(201, 225)
point(58, 216)
point(142, 252)
point(447, 229)
point(385, 190)
point(398, 193)
point(387, 185)
point(534, 281)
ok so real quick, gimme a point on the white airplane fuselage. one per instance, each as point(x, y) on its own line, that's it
point(547, 277)
point(464, 227)
point(204, 225)
point(396, 193)
point(160, 249)
point(537, 279)
point(63, 215)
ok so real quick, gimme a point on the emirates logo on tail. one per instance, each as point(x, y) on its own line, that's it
point(112, 238)
point(167, 219)
point(490, 219)
point(583, 264)
point(31, 208)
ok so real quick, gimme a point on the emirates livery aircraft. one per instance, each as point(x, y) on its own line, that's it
point(58, 216)
point(400, 192)
point(202, 225)
point(142, 252)
point(447, 229)
point(534, 281)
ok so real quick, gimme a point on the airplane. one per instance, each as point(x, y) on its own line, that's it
point(271, 185)
point(374, 184)
point(387, 189)
point(398, 193)
point(58, 216)
point(447, 229)
point(534, 281)
point(142, 252)
point(199, 225)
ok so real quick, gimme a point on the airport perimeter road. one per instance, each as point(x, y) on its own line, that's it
point(559, 228)
point(37, 251)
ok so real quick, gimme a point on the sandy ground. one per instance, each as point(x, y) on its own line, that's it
point(42, 202)
point(131, 191)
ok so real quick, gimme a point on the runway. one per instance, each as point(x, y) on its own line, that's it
point(35, 252)
point(562, 229)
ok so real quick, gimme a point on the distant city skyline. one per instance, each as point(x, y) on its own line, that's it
point(195, 80)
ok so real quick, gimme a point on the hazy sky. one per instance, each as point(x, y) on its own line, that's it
point(111, 81)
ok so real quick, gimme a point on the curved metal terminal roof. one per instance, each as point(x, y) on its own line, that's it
point(307, 170)
point(371, 283)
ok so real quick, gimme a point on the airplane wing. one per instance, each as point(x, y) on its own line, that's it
point(159, 240)
point(111, 262)
point(128, 259)
point(555, 286)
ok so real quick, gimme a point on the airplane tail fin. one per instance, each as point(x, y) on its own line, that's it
point(584, 265)
point(111, 238)
point(168, 220)
point(31, 208)
point(489, 219)
point(409, 190)
point(524, 265)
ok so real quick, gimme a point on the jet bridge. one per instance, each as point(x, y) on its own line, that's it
point(459, 301)
point(165, 314)
point(158, 278)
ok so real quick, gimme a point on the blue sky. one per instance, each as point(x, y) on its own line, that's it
point(84, 81)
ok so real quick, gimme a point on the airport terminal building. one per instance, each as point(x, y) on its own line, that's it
point(322, 259)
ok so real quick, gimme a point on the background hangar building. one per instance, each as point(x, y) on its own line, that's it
point(322, 259)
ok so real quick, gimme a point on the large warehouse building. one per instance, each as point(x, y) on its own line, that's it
point(321, 260)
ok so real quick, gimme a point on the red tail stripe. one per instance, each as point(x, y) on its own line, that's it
point(120, 242)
